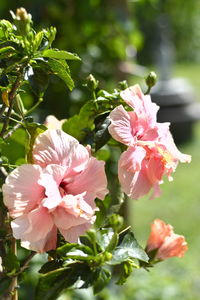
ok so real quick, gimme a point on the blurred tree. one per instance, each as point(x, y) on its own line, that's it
point(102, 33)
point(184, 21)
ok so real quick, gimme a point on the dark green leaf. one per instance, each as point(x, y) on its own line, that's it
point(63, 250)
point(38, 80)
point(60, 68)
point(102, 280)
point(102, 135)
point(4, 284)
point(55, 53)
point(101, 213)
point(104, 238)
point(51, 284)
point(128, 248)
point(126, 270)
point(12, 264)
point(50, 266)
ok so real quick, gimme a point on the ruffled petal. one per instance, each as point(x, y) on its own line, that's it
point(34, 226)
point(92, 180)
point(132, 176)
point(159, 231)
point(22, 191)
point(56, 147)
point(50, 179)
point(122, 125)
point(65, 220)
point(142, 104)
point(72, 234)
point(43, 245)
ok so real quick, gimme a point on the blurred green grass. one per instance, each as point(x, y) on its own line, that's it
point(178, 205)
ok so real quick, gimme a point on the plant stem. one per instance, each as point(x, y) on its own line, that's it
point(34, 106)
point(12, 96)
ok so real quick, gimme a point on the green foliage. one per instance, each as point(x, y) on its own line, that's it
point(89, 262)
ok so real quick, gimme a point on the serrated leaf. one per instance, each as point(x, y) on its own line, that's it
point(34, 129)
point(128, 248)
point(60, 54)
point(60, 68)
point(102, 280)
point(104, 238)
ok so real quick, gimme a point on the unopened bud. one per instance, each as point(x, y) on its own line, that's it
point(22, 14)
point(92, 83)
point(151, 79)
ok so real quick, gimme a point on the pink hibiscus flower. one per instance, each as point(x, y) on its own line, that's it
point(167, 243)
point(55, 193)
point(151, 152)
point(51, 122)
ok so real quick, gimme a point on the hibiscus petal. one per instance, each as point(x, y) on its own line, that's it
point(50, 179)
point(134, 181)
point(64, 220)
point(34, 226)
point(92, 180)
point(43, 245)
point(72, 234)
point(142, 104)
point(56, 147)
point(159, 231)
point(122, 125)
point(22, 191)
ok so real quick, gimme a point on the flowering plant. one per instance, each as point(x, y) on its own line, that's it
point(57, 196)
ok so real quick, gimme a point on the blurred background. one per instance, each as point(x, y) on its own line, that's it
point(125, 39)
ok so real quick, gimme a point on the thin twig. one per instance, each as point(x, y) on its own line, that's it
point(9, 133)
point(12, 96)
point(26, 261)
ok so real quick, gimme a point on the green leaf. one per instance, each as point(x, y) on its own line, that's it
point(101, 213)
point(6, 52)
point(38, 79)
point(51, 284)
point(102, 135)
point(65, 249)
point(34, 129)
point(128, 248)
point(38, 40)
point(102, 280)
point(50, 266)
point(126, 270)
point(104, 237)
point(4, 284)
point(14, 148)
point(55, 53)
point(11, 263)
point(60, 68)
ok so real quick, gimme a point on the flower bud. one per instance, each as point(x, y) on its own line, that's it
point(92, 83)
point(151, 79)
